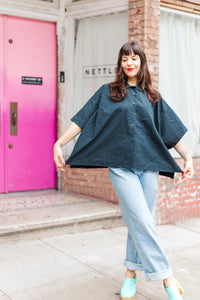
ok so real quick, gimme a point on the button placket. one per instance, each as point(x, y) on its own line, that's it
point(133, 100)
point(133, 114)
point(132, 122)
point(133, 94)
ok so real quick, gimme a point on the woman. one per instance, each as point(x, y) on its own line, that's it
point(127, 127)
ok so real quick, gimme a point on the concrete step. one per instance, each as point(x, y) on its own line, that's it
point(47, 212)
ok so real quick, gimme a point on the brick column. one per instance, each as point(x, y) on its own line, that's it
point(144, 22)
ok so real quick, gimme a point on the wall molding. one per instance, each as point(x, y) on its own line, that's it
point(86, 9)
point(28, 14)
point(191, 7)
point(31, 11)
point(180, 12)
point(38, 3)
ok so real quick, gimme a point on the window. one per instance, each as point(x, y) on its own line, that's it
point(96, 52)
point(179, 71)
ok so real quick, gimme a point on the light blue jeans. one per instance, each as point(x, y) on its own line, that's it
point(137, 192)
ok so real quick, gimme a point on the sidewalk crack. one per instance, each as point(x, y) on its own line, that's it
point(4, 294)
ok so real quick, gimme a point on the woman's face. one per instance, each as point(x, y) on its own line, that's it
point(131, 65)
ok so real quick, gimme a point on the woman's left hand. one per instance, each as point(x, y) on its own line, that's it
point(188, 170)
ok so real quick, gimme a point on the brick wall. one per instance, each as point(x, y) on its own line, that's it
point(177, 199)
point(89, 182)
point(144, 23)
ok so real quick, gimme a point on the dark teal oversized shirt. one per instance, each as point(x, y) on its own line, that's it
point(131, 133)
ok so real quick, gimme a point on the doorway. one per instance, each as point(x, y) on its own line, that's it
point(27, 104)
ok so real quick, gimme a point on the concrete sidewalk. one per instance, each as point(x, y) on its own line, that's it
point(89, 265)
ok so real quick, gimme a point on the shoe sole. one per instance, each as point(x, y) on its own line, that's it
point(180, 288)
point(132, 298)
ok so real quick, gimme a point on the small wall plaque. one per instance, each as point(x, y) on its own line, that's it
point(32, 80)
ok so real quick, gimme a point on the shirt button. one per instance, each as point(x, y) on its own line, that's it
point(133, 102)
point(133, 93)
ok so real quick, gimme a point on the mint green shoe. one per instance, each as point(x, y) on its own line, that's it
point(174, 290)
point(128, 289)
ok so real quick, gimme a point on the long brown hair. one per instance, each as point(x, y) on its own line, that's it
point(118, 88)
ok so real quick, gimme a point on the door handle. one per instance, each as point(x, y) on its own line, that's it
point(13, 118)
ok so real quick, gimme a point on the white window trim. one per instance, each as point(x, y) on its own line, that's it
point(84, 9)
point(178, 12)
point(55, 3)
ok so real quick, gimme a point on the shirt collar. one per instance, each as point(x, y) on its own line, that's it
point(128, 86)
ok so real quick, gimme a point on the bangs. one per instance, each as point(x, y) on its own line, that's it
point(129, 49)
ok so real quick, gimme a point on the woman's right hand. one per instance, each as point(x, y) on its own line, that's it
point(58, 157)
point(72, 131)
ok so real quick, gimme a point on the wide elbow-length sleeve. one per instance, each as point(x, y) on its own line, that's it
point(169, 125)
point(83, 115)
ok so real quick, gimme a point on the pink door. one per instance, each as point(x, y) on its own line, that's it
point(28, 104)
point(1, 109)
